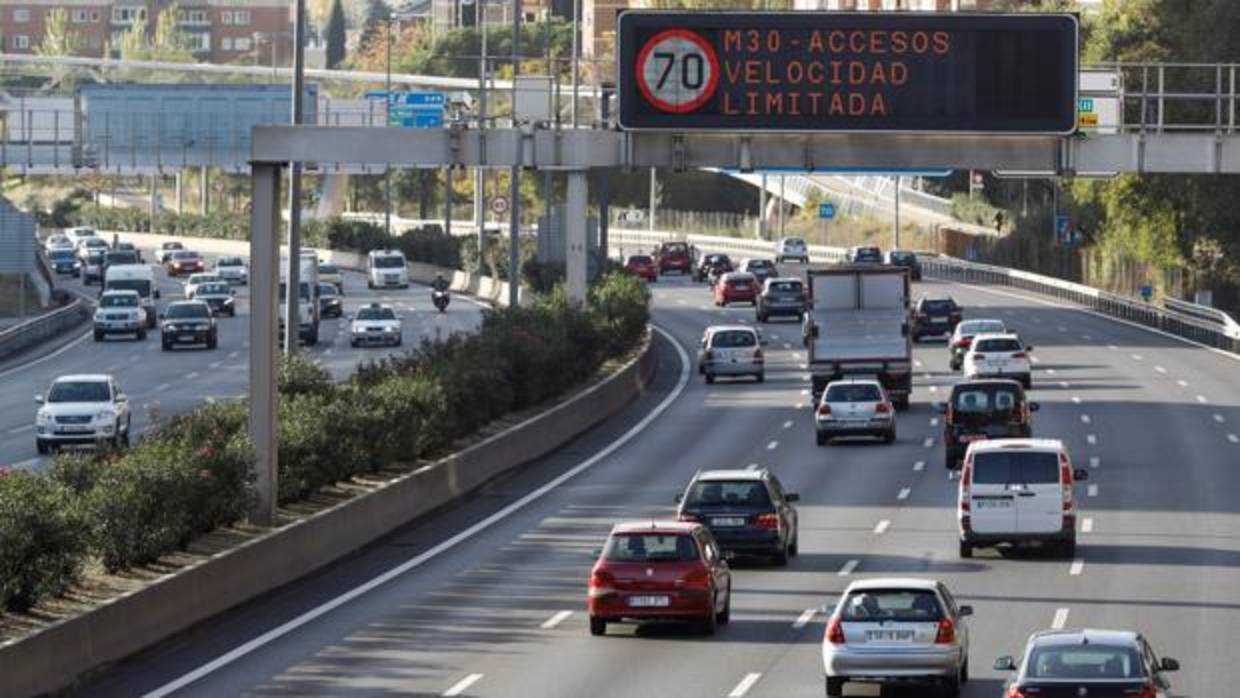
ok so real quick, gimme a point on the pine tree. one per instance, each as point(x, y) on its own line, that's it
point(378, 14)
point(335, 35)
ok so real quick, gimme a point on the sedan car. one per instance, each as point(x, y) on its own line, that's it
point(854, 407)
point(983, 409)
point(57, 242)
point(711, 266)
point(62, 260)
point(195, 280)
point(166, 250)
point(188, 322)
point(120, 312)
point(736, 287)
point(330, 273)
point(906, 259)
point(184, 262)
point(218, 296)
point(999, 356)
point(934, 315)
point(642, 266)
point(762, 269)
point(331, 304)
point(781, 296)
point(1093, 663)
point(731, 350)
point(747, 511)
point(962, 338)
point(791, 248)
point(653, 570)
point(897, 631)
point(82, 409)
point(232, 270)
point(864, 254)
point(375, 324)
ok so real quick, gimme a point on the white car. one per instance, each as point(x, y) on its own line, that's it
point(92, 244)
point(57, 242)
point(196, 280)
point(963, 336)
point(375, 324)
point(233, 270)
point(1017, 491)
point(999, 356)
point(731, 350)
point(87, 409)
point(791, 248)
point(854, 407)
point(120, 312)
point(78, 234)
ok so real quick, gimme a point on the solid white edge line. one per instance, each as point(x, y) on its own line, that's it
point(1087, 525)
point(321, 610)
point(463, 685)
point(848, 568)
point(1060, 620)
point(1077, 567)
point(555, 620)
point(41, 359)
point(882, 527)
point(803, 620)
point(746, 683)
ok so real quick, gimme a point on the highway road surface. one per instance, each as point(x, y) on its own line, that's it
point(487, 599)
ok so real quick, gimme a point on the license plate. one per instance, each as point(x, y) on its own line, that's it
point(993, 503)
point(74, 430)
point(966, 438)
point(889, 635)
point(185, 338)
point(649, 601)
point(728, 521)
point(939, 320)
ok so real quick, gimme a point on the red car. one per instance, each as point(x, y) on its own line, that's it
point(660, 570)
point(642, 265)
point(184, 262)
point(674, 256)
point(736, 287)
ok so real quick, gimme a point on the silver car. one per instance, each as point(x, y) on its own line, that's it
point(854, 407)
point(731, 350)
point(897, 631)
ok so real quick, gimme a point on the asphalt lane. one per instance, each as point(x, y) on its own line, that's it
point(164, 383)
point(502, 612)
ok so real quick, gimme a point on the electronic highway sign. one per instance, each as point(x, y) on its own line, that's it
point(848, 72)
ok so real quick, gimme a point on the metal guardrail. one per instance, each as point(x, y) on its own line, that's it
point(39, 329)
point(1228, 324)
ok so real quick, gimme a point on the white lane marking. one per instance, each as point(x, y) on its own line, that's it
point(463, 685)
point(1087, 525)
point(788, 424)
point(1202, 399)
point(800, 406)
point(1061, 619)
point(555, 620)
point(233, 354)
point(803, 620)
point(1112, 347)
point(1034, 360)
point(1092, 439)
point(1092, 491)
point(1076, 399)
point(1065, 384)
point(214, 364)
point(1233, 438)
point(58, 352)
point(904, 493)
point(772, 446)
point(848, 568)
point(1160, 369)
point(448, 544)
point(1085, 419)
point(928, 376)
point(746, 683)
point(18, 430)
point(787, 345)
point(929, 442)
point(882, 527)
point(919, 466)
point(1182, 383)
point(934, 421)
point(1095, 461)
point(1050, 371)
point(1077, 567)
point(751, 466)
point(934, 389)
point(917, 363)
point(1219, 418)
point(805, 391)
point(797, 355)
point(191, 375)
point(162, 387)
point(1137, 357)
point(702, 307)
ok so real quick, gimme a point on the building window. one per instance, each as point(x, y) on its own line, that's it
point(21, 41)
point(127, 15)
point(200, 42)
point(85, 16)
point(241, 18)
point(193, 17)
point(21, 15)
point(242, 44)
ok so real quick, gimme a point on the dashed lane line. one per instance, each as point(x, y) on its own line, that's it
point(848, 568)
point(1219, 418)
point(463, 685)
point(1095, 461)
point(1182, 383)
point(882, 527)
point(1202, 399)
point(18, 430)
point(803, 620)
point(1138, 357)
point(751, 466)
point(1092, 491)
point(919, 466)
point(746, 683)
point(1233, 438)
point(191, 375)
point(788, 424)
point(934, 421)
point(1092, 439)
point(162, 387)
point(929, 442)
point(904, 493)
point(1085, 419)
point(1160, 369)
point(1065, 385)
point(1077, 567)
point(1087, 525)
point(772, 446)
point(1076, 399)
point(555, 620)
point(1060, 620)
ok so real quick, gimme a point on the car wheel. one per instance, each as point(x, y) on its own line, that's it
point(125, 436)
point(141, 335)
point(166, 346)
point(598, 626)
point(781, 558)
point(916, 338)
point(822, 439)
point(951, 687)
point(41, 447)
point(212, 342)
point(835, 686)
point(725, 616)
point(1027, 382)
point(794, 548)
point(761, 377)
point(98, 336)
point(761, 317)
point(964, 672)
point(710, 378)
point(901, 403)
point(954, 365)
point(966, 549)
point(890, 437)
point(711, 622)
point(1068, 548)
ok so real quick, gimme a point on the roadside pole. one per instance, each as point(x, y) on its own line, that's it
point(514, 220)
point(292, 306)
point(897, 212)
point(264, 280)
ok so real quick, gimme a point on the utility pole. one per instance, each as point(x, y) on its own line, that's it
point(387, 118)
point(897, 207)
point(292, 293)
point(479, 174)
point(576, 59)
point(654, 187)
point(762, 231)
point(783, 203)
point(514, 220)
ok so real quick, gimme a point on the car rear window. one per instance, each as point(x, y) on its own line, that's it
point(977, 327)
point(733, 339)
point(640, 259)
point(1025, 467)
point(795, 242)
point(786, 286)
point(761, 264)
point(376, 314)
point(675, 249)
point(741, 282)
point(901, 605)
point(998, 345)
point(651, 547)
point(750, 493)
point(938, 306)
point(857, 392)
point(188, 310)
point(988, 399)
point(902, 257)
point(1090, 661)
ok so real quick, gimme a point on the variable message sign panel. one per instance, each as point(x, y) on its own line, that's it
point(820, 71)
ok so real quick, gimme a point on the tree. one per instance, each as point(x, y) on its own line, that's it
point(169, 43)
point(335, 35)
point(378, 14)
point(58, 38)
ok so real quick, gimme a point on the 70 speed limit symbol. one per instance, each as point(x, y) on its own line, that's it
point(677, 71)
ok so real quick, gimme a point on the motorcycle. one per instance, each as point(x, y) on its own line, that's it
point(440, 299)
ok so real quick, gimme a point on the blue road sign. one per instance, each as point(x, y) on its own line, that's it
point(418, 120)
point(1063, 230)
point(1085, 104)
point(826, 211)
point(420, 101)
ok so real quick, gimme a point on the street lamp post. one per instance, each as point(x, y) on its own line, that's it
point(387, 117)
point(292, 321)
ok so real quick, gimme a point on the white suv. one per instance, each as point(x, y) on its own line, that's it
point(791, 248)
point(999, 356)
point(120, 312)
point(1017, 491)
point(82, 409)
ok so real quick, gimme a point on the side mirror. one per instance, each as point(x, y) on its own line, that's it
point(813, 331)
point(122, 397)
point(678, 498)
point(38, 399)
point(729, 555)
point(1080, 474)
point(157, 293)
point(792, 497)
point(1005, 664)
point(940, 408)
point(162, 316)
point(1034, 407)
point(1169, 664)
point(966, 611)
point(904, 329)
point(1028, 348)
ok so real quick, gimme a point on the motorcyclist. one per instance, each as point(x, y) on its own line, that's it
point(440, 283)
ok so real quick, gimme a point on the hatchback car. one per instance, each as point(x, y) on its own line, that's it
point(762, 269)
point(82, 409)
point(91, 264)
point(375, 324)
point(331, 304)
point(331, 274)
point(188, 322)
point(934, 315)
point(747, 511)
point(1093, 663)
point(183, 262)
point(1016, 491)
point(642, 266)
point(854, 407)
point(999, 356)
point(906, 259)
point(736, 287)
point(711, 266)
point(791, 248)
point(654, 570)
point(962, 338)
point(897, 631)
point(993, 408)
point(781, 296)
point(673, 256)
point(232, 270)
point(731, 350)
point(195, 280)
point(218, 295)
point(864, 254)
point(62, 260)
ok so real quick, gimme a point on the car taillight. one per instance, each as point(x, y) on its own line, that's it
point(757, 353)
point(1147, 691)
point(947, 632)
point(768, 522)
point(978, 357)
point(601, 583)
point(824, 410)
point(1065, 477)
point(1018, 355)
point(966, 483)
point(1016, 692)
point(835, 631)
point(956, 317)
point(965, 342)
point(883, 408)
point(684, 516)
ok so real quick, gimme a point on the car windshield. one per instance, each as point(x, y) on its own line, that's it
point(997, 345)
point(328, 269)
point(976, 327)
point(854, 392)
point(868, 253)
point(389, 262)
point(94, 257)
point(785, 286)
point(199, 279)
point(123, 300)
point(708, 493)
point(739, 281)
point(178, 311)
point(79, 391)
point(229, 262)
point(173, 246)
point(651, 547)
point(1006, 467)
point(984, 400)
point(327, 290)
point(794, 242)
point(903, 257)
point(714, 259)
point(938, 306)
point(899, 605)
point(1090, 661)
point(184, 254)
point(733, 339)
point(213, 288)
point(142, 286)
point(60, 255)
point(640, 259)
point(760, 264)
point(122, 258)
point(376, 314)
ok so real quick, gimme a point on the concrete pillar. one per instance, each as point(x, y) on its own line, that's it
point(153, 205)
point(264, 280)
point(578, 195)
point(203, 188)
point(180, 193)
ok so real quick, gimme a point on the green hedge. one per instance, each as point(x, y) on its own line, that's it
point(194, 474)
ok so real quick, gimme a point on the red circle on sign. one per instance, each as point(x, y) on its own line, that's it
point(711, 58)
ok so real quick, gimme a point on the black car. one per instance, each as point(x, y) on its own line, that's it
point(711, 266)
point(936, 316)
point(977, 410)
point(906, 259)
point(865, 254)
point(129, 247)
point(64, 262)
point(1093, 663)
point(747, 511)
point(330, 302)
point(762, 269)
point(781, 296)
point(188, 322)
point(218, 296)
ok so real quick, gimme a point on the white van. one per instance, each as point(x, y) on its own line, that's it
point(135, 277)
point(387, 268)
point(1017, 491)
point(77, 234)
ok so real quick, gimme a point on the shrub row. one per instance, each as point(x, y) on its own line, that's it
point(228, 225)
point(194, 474)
